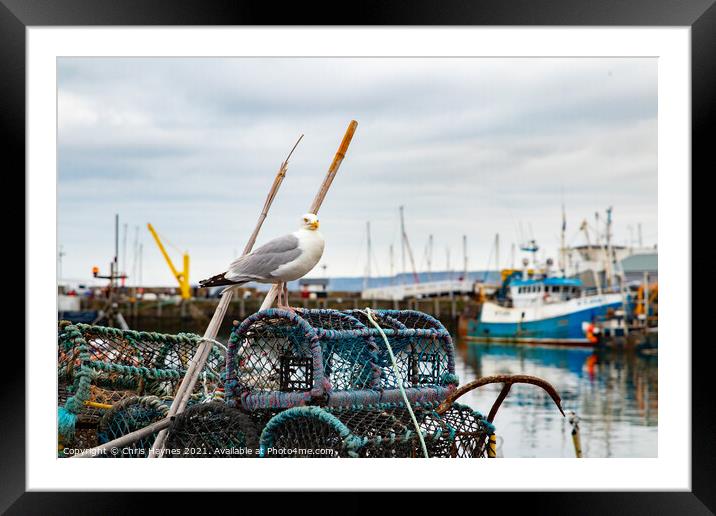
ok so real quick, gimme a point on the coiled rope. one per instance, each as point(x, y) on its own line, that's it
point(368, 313)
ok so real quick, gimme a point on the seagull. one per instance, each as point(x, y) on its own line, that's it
point(279, 261)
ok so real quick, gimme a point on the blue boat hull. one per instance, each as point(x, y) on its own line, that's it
point(567, 328)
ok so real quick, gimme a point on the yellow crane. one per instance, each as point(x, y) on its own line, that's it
point(183, 276)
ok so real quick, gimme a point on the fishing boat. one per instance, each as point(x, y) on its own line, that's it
point(549, 310)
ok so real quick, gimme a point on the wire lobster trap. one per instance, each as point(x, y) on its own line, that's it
point(99, 367)
point(278, 359)
point(128, 415)
point(376, 432)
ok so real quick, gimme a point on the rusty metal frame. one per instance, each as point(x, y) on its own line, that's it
point(508, 380)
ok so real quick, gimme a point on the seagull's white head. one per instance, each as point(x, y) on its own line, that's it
point(310, 221)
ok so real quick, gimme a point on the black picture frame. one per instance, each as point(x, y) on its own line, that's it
point(700, 15)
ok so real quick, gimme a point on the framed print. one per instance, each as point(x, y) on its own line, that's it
point(426, 245)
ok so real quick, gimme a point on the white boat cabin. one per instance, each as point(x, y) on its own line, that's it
point(529, 292)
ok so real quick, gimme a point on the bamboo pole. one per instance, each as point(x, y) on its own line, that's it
point(320, 196)
point(202, 353)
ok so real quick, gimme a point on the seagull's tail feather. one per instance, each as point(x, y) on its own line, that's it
point(218, 281)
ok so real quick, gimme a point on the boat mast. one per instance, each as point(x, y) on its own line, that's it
point(641, 243)
point(497, 252)
point(392, 266)
point(124, 250)
point(60, 254)
point(114, 266)
point(562, 249)
point(430, 257)
point(464, 257)
point(406, 246)
point(447, 262)
point(402, 242)
point(367, 266)
point(595, 274)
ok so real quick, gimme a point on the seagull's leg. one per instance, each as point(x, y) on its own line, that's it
point(279, 300)
point(285, 296)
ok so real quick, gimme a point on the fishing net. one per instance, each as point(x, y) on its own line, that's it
point(472, 430)
point(212, 430)
point(375, 432)
point(100, 366)
point(280, 359)
point(128, 415)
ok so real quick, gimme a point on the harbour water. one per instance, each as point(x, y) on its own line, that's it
point(614, 393)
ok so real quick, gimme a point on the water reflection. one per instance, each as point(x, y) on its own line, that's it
point(614, 394)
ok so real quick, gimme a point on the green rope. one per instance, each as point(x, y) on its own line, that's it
point(368, 312)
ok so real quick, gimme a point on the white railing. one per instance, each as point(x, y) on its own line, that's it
point(431, 288)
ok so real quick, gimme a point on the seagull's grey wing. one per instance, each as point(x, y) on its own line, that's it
point(260, 263)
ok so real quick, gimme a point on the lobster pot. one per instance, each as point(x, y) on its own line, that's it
point(100, 366)
point(421, 345)
point(129, 415)
point(212, 429)
point(279, 359)
point(376, 431)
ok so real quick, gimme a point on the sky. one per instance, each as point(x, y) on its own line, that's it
point(469, 146)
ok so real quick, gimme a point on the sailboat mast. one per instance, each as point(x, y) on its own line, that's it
point(392, 266)
point(402, 242)
point(430, 258)
point(447, 262)
point(464, 257)
point(115, 263)
point(368, 255)
point(641, 243)
point(562, 248)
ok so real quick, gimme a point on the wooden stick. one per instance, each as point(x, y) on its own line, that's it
point(272, 194)
point(202, 353)
point(318, 200)
point(129, 438)
point(333, 169)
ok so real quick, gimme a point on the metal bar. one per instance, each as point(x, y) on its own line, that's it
point(501, 378)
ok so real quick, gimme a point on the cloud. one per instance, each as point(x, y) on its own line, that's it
point(469, 146)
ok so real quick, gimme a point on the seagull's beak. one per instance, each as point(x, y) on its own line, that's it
point(314, 225)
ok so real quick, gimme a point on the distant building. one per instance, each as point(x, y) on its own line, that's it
point(313, 287)
point(637, 264)
point(634, 267)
